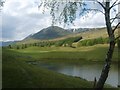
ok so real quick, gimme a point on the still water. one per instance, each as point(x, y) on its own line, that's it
point(85, 71)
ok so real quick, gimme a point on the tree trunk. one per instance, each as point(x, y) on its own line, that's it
point(105, 70)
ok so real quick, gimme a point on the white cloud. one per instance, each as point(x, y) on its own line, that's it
point(22, 18)
point(90, 21)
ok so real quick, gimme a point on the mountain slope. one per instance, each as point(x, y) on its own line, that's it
point(51, 32)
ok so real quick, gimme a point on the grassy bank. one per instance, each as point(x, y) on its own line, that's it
point(18, 74)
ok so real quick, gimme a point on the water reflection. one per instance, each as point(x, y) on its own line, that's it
point(85, 71)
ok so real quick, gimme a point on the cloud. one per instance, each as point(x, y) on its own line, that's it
point(21, 18)
point(90, 21)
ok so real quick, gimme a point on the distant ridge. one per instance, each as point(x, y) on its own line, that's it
point(7, 43)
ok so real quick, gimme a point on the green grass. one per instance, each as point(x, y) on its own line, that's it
point(68, 54)
point(18, 74)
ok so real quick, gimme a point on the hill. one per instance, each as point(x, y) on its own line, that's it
point(59, 34)
point(51, 32)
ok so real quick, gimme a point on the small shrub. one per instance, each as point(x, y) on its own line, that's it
point(18, 47)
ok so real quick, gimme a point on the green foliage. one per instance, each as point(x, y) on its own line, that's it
point(45, 44)
point(91, 42)
point(59, 43)
point(10, 46)
point(25, 45)
point(65, 42)
point(68, 11)
point(17, 47)
point(68, 41)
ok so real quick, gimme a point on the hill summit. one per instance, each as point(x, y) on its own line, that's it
point(51, 32)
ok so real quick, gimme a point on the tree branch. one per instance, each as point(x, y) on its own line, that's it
point(116, 27)
point(101, 4)
point(95, 10)
point(2, 3)
point(116, 17)
point(113, 4)
point(117, 38)
point(117, 4)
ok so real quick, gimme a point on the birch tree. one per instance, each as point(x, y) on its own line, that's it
point(68, 10)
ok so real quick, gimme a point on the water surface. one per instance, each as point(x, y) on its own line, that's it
point(85, 71)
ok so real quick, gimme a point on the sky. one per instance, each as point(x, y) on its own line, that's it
point(20, 18)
